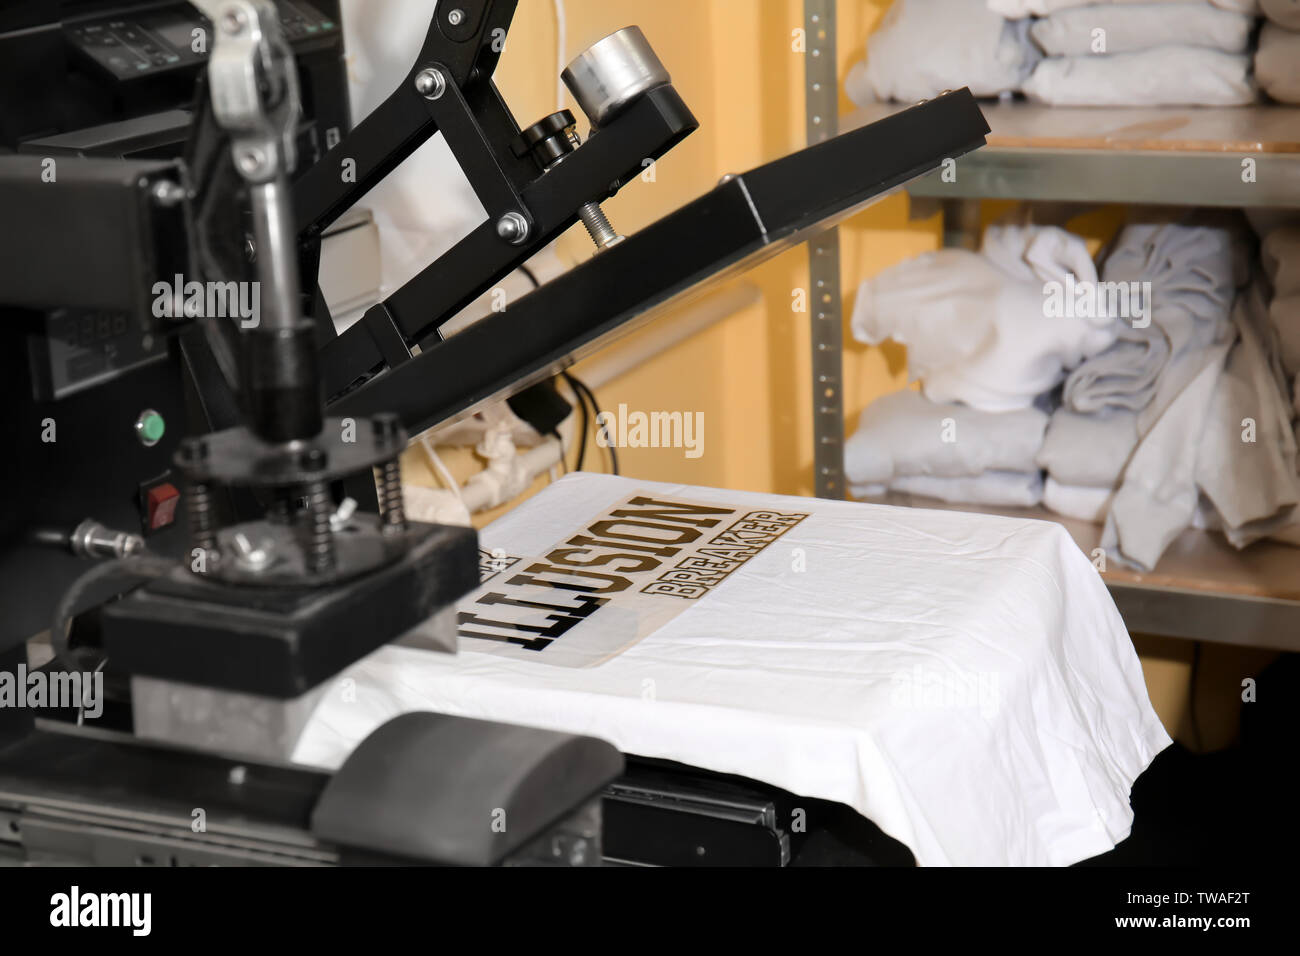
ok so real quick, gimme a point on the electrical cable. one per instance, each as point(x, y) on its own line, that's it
point(586, 394)
point(581, 440)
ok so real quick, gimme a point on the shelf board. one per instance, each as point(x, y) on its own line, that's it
point(1164, 156)
point(1203, 588)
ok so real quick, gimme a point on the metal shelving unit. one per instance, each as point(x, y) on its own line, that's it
point(1248, 157)
point(821, 102)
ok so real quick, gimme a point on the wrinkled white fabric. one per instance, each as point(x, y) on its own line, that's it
point(976, 324)
point(904, 433)
point(827, 677)
point(1161, 76)
point(909, 60)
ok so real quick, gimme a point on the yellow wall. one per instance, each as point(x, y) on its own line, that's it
point(734, 64)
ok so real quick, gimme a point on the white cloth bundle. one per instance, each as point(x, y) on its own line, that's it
point(962, 680)
point(1162, 76)
point(904, 433)
point(977, 325)
point(1124, 28)
point(908, 59)
point(1077, 501)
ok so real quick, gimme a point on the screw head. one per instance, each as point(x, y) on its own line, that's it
point(430, 84)
point(456, 17)
point(513, 228)
point(234, 20)
point(387, 427)
point(250, 160)
point(168, 193)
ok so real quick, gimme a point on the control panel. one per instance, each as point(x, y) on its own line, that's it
point(128, 46)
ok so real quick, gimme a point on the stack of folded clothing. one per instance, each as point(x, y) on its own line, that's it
point(924, 47)
point(986, 347)
point(1167, 391)
point(1194, 53)
point(906, 442)
point(1277, 62)
point(1098, 52)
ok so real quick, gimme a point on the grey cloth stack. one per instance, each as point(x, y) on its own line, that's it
point(1089, 450)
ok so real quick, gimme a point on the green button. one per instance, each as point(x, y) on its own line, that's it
point(150, 427)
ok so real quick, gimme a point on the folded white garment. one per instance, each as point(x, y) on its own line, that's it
point(1285, 13)
point(1125, 28)
point(1246, 461)
point(1077, 501)
point(1162, 76)
point(1277, 62)
point(904, 433)
point(909, 60)
point(979, 327)
point(1017, 489)
point(1015, 9)
point(1088, 450)
point(962, 680)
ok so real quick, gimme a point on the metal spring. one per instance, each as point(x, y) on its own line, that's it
point(391, 506)
point(202, 533)
point(319, 539)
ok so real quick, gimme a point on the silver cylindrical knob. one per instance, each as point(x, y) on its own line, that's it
point(612, 73)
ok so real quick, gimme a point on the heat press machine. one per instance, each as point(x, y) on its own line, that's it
point(210, 513)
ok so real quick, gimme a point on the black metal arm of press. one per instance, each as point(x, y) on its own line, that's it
point(456, 63)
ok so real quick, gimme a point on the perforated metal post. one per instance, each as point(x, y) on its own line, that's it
point(821, 99)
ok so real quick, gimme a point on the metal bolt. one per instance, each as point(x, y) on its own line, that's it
point(602, 233)
point(456, 17)
point(250, 160)
point(234, 20)
point(249, 556)
point(340, 518)
point(387, 427)
point(430, 84)
point(513, 228)
point(168, 193)
point(238, 775)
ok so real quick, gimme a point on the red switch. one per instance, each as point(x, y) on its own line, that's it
point(160, 502)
